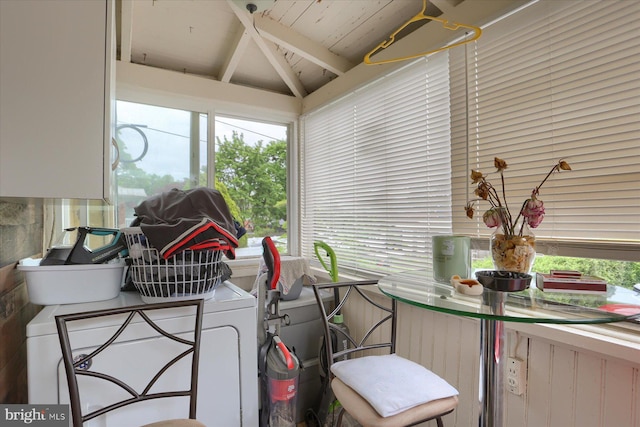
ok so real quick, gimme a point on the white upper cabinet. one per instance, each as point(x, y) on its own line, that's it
point(56, 98)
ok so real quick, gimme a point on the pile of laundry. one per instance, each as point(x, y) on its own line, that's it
point(193, 219)
point(183, 234)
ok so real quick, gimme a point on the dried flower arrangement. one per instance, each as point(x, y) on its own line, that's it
point(499, 214)
point(514, 248)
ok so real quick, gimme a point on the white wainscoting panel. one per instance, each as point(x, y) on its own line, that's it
point(566, 386)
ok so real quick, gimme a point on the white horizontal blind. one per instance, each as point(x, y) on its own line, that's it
point(559, 79)
point(376, 171)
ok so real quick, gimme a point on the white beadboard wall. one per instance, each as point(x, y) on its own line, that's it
point(567, 386)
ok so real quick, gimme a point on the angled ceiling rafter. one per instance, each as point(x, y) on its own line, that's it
point(238, 48)
point(275, 58)
point(126, 30)
point(301, 45)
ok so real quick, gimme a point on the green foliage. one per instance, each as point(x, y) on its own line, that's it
point(483, 264)
point(233, 207)
point(256, 178)
point(620, 273)
point(243, 242)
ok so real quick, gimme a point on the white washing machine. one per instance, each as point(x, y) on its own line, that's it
point(228, 377)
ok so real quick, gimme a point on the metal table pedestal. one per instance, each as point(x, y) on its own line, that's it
point(491, 360)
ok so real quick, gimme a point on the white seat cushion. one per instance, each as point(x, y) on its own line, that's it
point(392, 384)
point(361, 411)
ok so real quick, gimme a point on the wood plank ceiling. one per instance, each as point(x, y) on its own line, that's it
point(292, 47)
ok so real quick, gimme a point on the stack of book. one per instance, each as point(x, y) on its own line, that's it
point(571, 281)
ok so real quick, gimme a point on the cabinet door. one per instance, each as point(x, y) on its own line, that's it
point(55, 104)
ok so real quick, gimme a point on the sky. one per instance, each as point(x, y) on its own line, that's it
point(252, 131)
point(167, 133)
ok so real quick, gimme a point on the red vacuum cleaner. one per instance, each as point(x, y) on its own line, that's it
point(278, 367)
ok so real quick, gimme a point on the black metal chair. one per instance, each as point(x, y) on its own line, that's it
point(378, 388)
point(181, 348)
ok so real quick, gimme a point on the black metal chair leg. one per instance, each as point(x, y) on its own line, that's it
point(340, 416)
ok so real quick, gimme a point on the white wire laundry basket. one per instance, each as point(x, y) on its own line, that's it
point(186, 275)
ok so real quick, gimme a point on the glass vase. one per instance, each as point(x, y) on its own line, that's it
point(513, 253)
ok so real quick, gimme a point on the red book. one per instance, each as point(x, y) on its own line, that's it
point(566, 283)
point(565, 273)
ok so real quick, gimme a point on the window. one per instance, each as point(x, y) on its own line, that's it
point(549, 83)
point(163, 148)
point(251, 167)
point(387, 166)
point(160, 149)
point(376, 171)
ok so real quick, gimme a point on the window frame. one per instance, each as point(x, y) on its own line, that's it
point(211, 107)
point(291, 184)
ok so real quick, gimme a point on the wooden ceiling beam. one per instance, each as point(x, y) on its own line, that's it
point(126, 29)
point(238, 48)
point(275, 58)
point(301, 45)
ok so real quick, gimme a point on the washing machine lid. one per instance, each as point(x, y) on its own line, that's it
point(226, 297)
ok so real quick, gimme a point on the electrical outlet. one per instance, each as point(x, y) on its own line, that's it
point(516, 376)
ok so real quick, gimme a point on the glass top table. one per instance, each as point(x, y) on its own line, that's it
point(493, 308)
point(529, 306)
